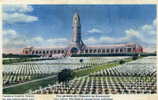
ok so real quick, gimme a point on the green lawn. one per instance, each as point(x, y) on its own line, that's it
point(87, 71)
point(26, 87)
point(25, 59)
point(84, 72)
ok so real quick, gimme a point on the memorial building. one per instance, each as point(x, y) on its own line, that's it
point(76, 46)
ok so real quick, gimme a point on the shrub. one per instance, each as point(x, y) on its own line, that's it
point(65, 75)
point(121, 62)
point(134, 57)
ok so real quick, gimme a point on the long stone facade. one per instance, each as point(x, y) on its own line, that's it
point(78, 47)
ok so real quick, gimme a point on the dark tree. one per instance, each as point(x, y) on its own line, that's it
point(135, 57)
point(121, 61)
point(81, 60)
point(65, 75)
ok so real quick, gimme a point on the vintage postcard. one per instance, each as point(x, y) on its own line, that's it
point(76, 50)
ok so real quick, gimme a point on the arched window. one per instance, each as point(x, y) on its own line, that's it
point(99, 50)
point(40, 52)
point(129, 50)
point(47, 51)
point(116, 50)
point(90, 51)
point(121, 50)
point(107, 50)
point(36, 52)
point(43, 52)
point(103, 50)
point(94, 51)
point(62, 51)
point(58, 51)
point(74, 50)
point(51, 51)
point(26, 52)
point(112, 50)
point(86, 51)
point(33, 52)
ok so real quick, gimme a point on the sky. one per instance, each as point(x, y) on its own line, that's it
point(51, 25)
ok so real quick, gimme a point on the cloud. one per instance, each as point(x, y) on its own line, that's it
point(155, 22)
point(18, 14)
point(18, 17)
point(145, 35)
point(102, 40)
point(99, 30)
point(149, 28)
point(17, 8)
point(91, 40)
point(9, 32)
point(13, 40)
point(95, 30)
point(107, 39)
point(57, 40)
point(132, 33)
point(40, 41)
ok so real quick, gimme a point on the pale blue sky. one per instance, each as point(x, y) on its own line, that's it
point(31, 25)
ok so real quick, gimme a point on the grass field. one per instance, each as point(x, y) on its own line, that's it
point(87, 71)
point(24, 88)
